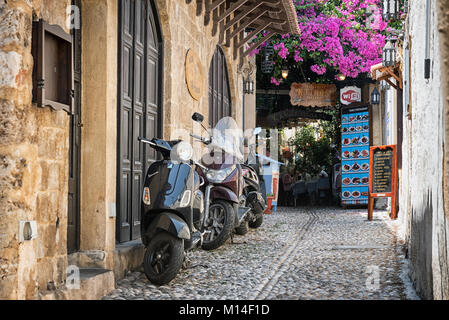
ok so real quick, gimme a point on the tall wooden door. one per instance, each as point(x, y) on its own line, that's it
point(220, 105)
point(73, 221)
point(138, 109)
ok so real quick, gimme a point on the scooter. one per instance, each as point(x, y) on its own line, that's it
point(223, 188)
point(172, 210)
point(253, 192)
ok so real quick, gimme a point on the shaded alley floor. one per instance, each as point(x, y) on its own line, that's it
point(297, 254)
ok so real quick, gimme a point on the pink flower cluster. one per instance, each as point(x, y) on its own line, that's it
point(346, 36)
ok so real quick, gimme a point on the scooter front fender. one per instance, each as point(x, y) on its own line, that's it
point(170, 223)
point(222, 193)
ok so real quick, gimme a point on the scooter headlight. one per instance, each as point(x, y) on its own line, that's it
point(218, 176)
point(182, 152)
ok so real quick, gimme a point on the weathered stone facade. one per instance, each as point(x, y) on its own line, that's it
point(424, 195)
point(33, 153)
point(34, 142)
point(183, 30)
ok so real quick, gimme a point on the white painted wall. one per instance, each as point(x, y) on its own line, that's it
point(421, 215)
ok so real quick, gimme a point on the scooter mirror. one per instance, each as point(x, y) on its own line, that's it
point(257, 131)
point(197, 117)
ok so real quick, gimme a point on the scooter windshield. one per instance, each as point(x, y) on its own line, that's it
point(228, 136)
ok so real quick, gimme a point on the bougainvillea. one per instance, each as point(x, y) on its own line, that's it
point(337, 37)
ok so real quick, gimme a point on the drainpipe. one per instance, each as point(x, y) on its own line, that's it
point(427, 58)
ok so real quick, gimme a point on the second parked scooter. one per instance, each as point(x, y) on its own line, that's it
point(224, 182)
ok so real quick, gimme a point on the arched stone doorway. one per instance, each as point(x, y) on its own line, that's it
point(139, 107)
point(220, 102)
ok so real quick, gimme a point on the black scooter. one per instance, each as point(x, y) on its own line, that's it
point(172, 211)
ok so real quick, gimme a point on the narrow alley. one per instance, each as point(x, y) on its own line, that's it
point(298, 254)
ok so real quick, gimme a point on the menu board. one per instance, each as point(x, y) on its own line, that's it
point(383, 177)
point(355, 156)
point(382, 171)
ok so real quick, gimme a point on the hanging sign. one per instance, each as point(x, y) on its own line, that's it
point(383, 177)
point(349, 95)
point(194, 75)
point(313, 95)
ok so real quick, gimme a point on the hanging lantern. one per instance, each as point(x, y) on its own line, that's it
point(389, 55)
point(375, 97)
point(284, 72)
point(390, 9)
point(341, 77)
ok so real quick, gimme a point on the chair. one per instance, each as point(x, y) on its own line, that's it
point(298, 189)
point(312, 188)
point(324, 187)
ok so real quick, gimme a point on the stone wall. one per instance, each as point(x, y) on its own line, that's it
point(422, 201)
point(33, 159)
point(182, 30)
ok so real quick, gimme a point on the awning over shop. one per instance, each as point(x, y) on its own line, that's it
point(230, 18)
point(380, 73)
point(296, 115)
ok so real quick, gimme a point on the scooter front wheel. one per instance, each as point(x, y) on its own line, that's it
point(219, 225)
point(163, 258)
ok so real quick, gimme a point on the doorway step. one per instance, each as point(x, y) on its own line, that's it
point(94, 284)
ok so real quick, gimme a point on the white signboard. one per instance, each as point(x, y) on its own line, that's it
point(349, 95)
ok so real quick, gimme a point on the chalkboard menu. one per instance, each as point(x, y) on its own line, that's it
point(355, 155)
point(383, 177)
point(382, 171)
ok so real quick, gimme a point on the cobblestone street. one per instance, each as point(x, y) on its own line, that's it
point(322, 253)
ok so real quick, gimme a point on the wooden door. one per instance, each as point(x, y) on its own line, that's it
point(219, 90)
point(139, 104)
point(73, 222)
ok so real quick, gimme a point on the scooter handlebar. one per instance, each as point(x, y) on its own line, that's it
point(146, 141)
point(203, 140)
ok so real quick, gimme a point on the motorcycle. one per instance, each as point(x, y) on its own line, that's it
point(224, 182)
point(172, 210)
point(254, 190)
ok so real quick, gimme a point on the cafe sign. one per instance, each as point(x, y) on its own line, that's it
point(349, 95)
point(313, 94)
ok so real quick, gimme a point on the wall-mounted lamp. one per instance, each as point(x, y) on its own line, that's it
point(341, 77)
point(248, 86)
point(389, 54)
point(375, 97)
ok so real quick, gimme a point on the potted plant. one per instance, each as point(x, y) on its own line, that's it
point(270, 198)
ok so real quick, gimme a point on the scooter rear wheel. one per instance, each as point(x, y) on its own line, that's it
point(256, 223)
point(242, 229)
point(163, 258)
point(220, 225)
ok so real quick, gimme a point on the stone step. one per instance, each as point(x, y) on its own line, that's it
point(94, 284)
